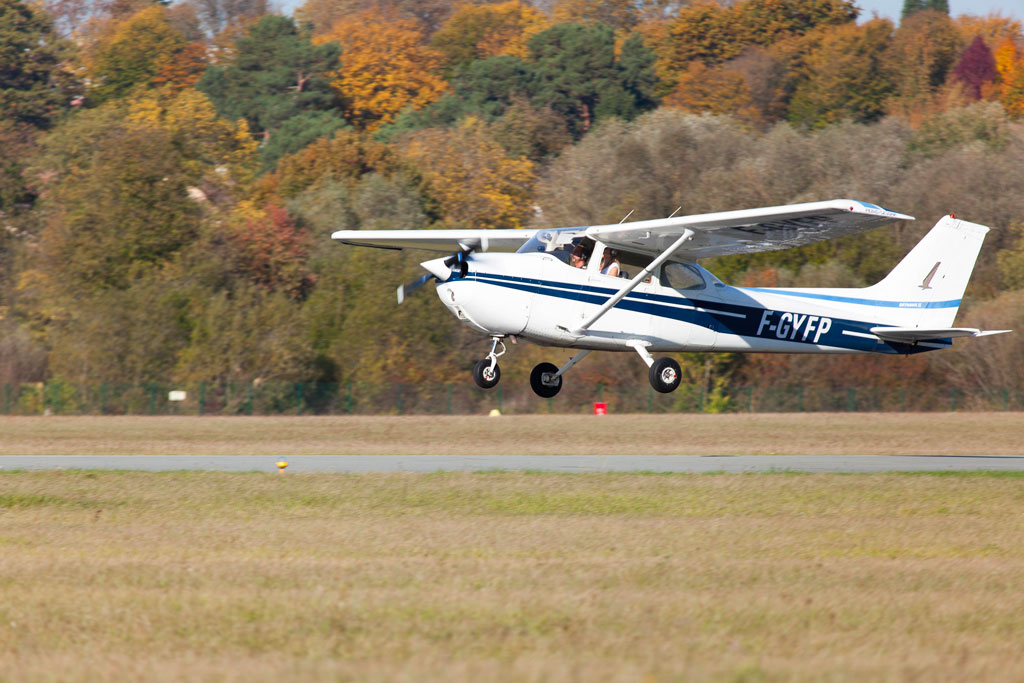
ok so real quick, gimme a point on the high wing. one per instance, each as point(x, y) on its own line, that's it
point(747, 231)
point(446, 241)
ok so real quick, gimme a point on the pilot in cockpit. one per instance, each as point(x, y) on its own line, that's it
point(577, 259)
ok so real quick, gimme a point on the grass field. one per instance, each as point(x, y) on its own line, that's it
point(687, 434)
point(510, 576)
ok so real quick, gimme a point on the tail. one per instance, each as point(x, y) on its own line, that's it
point(930, 281)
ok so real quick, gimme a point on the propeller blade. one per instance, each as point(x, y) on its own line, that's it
point(406, 290)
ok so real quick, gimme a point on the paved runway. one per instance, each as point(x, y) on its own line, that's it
point(540, 463)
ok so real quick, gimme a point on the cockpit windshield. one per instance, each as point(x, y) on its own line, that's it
point(550, 240)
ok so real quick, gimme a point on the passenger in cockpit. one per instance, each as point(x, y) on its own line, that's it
point(610, 262)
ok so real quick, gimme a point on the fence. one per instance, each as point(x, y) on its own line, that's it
point(464, 398)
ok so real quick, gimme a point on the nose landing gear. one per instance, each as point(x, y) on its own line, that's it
point(486, 372)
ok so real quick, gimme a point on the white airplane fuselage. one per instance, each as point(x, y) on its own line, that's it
point(538, 297)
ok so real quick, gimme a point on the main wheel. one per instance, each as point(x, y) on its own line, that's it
point(539, 386)
point(484, 377)
point(665, 375)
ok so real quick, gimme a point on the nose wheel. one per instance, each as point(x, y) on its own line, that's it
point(486, 372)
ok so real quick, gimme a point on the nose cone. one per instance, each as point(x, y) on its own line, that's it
point(437, 268)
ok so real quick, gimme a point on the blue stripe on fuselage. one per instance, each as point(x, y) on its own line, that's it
point(727, 318)
point(952, 303)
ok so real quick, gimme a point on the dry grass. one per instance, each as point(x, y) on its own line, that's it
point(737, 434)
point(511, 576)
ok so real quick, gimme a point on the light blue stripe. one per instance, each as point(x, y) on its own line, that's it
point(952, 303)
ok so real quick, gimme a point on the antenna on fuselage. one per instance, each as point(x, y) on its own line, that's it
point(626, 216)
point(675, 212)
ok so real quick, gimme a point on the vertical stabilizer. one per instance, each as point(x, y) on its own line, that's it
point(930, 280)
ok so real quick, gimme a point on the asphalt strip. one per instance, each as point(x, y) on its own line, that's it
point(835, 464)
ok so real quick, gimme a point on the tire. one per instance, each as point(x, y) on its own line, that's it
point(665, 375)
point(481, 369)
point(539, 387)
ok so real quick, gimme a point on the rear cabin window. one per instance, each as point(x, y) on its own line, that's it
point(681, 276)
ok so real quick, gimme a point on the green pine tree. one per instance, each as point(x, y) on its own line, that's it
point(33, 86)
point(277, 73)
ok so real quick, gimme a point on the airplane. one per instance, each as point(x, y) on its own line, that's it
point(672, 304)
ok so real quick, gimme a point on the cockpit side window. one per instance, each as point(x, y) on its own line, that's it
point(682, 276)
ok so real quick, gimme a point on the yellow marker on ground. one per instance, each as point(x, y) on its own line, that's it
point(281, 464)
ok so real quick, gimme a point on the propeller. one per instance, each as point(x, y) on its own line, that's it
point(407, 289)
point(441, 269)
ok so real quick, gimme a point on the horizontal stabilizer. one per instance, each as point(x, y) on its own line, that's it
point(915, 334)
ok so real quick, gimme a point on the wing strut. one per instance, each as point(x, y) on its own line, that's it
point(632, 284)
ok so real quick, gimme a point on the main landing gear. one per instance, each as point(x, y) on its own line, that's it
point(663, 373)
point(486, 372)
point(546, 379)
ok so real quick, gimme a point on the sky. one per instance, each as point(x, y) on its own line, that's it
point(891, 8)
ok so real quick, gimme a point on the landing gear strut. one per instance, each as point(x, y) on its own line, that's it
point(486, 372)
point(664, 373)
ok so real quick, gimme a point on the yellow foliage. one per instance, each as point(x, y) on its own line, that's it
point(993, 28)
point(470, 177)
point(714, 90)
point(191, 120)
point(480, 31)
point(385, 67)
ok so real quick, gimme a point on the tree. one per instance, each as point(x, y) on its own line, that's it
point(716, 90)
point(911, 7)
point(385, 68)
point(488, 86)
point(430, 15)
point(273, 252)
point(215, 151)
point(923, 49)
point(182, 70)
point(117, 203)
point(34, 88)
point(481, 31)
point(343, 159)
point(215, 16)
point(576, 73)
point(277, 73)
point(844, 75)
point(763, 22)
point(619, 14)
point(1010, 65)
point(133, 53)
point(976, 68)
point(470, 177)
point(703, 31)
point(298, 132)
point(993, 28)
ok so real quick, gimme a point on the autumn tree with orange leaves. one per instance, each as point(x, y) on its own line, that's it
point(1010, 65)
point(385, 67)
point(471, 178)
point(481, 31)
